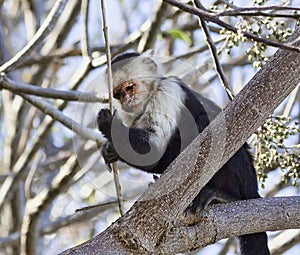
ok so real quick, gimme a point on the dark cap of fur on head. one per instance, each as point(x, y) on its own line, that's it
point(122, 59)
point(124, 56)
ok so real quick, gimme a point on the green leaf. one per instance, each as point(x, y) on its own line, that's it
point(180, 34)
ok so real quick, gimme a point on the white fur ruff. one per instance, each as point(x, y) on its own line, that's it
point(161, 112)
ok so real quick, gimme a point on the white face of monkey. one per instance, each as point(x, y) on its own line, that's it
point(134, 83)
point(133, 95)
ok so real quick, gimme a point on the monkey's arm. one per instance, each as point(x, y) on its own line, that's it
point(126, 138)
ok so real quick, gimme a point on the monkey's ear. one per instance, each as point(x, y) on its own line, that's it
point(148, 60)
point(149, 63)
point(148, 53)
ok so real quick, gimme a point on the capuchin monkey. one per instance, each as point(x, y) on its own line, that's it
point(152, 125)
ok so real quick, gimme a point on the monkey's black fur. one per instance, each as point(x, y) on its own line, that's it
point(236, 180)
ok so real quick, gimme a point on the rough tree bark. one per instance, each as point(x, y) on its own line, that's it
point(149, 225)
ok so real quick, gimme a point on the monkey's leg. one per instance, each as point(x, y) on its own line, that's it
point(207, 196)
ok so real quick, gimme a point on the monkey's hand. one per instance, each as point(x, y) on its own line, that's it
point(109, 154)
point(104, 120)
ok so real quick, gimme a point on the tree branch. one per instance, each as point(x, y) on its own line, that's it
point(21, 165)
point(110, 90)
point(215, 19)
point(85, 49)
point(40, 35)
point(149, 37)
point(30, 229)
point(77, 217)
point(258, 11)
point(30, 19)
point(284, 241)
point(192, 231)
point(232, 219)
point(214, 54)
point(48, 109)
point(67, 95)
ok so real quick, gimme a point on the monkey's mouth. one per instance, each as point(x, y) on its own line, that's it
point(130, 105)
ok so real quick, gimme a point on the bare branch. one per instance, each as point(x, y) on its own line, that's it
point(63, 27)
point(29, 18)
point(149, 37)
point(291, 102)
point(110, 89)
point(258, 11)
point(20, 167)
point(213, 222)
point(85, 35)
point(196, 50)
point(48, 109)
point(36, 206)
point(185, 234)
point(78, 216)
point(213, 18)
point(214, 54)
point(55, 55)
point(40, 35)
point(10, 239)
point(284, 241)
point(67, 95)
point(263, 14)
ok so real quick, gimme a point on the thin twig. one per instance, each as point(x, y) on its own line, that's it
point(57, 115)
point(259, 9)
point(262, 14)
point(43, 199)
point(226, 247)
point(213, 51)
point(62, 29)
point(86, 208)
point(291, 102)
point(195, 50)
point(9, 240)
point(54, 55)
point(149, 37)
point(286, 240)
point(67, 95)
point(80, 215)
point(85, 35)
point(29, 18)
point(40, 35)
point(213, 18)
point(110, 89)
point(21, 165)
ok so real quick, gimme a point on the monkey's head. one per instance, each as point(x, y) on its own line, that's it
point(135, 79)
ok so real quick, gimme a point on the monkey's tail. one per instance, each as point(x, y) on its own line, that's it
point(254, 244)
